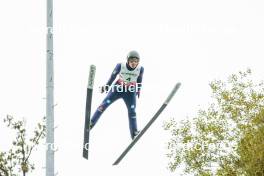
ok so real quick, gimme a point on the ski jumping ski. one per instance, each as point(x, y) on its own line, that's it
point(134, 141)
point(88, 111)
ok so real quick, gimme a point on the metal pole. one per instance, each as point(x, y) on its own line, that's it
point(49, 93)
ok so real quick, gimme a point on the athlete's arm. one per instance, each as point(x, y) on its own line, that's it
point(139, 80)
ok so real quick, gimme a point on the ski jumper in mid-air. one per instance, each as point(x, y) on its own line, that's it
point(127, 87)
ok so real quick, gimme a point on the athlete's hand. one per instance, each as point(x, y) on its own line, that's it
point(138, 94)
point(104, 88)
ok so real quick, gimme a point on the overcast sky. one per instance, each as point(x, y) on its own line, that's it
point(190, 41)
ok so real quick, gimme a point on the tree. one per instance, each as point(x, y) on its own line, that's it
point(228, 137)
point(250, 148)
point(16, 160)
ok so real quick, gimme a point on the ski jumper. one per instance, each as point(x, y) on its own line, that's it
point(126, 87)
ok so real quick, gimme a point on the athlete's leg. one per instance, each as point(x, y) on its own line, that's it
point(109, 99)
point(130, 101)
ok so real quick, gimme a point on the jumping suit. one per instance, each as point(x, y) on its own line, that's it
point(126, 87)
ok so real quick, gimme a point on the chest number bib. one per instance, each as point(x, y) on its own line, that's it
point(128, 77)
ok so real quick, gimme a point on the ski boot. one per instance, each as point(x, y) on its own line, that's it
point(91, 126)
point(135, 134)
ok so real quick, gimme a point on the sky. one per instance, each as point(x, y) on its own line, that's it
point(192, 42)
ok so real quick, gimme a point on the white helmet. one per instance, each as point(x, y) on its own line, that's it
point(133, 54)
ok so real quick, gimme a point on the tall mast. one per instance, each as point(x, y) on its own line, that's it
point(49, 93)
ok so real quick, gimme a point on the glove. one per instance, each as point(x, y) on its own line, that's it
point(104, 88)
point(138, 94)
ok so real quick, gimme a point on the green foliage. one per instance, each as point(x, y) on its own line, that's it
point(228, 137)
point(16, 160)
point(251, 147)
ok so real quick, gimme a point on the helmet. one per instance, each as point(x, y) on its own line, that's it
point(133, 54)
